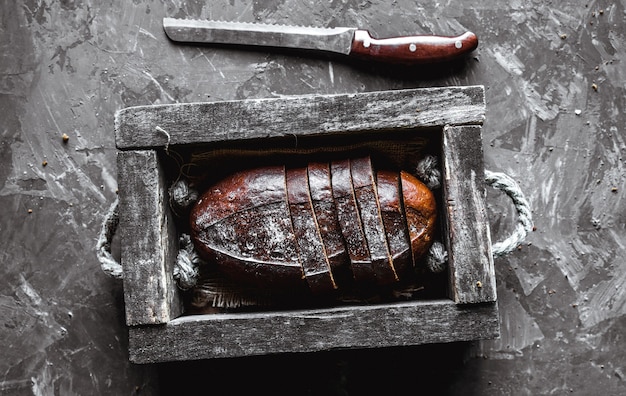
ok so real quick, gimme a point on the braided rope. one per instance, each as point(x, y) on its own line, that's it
point(428, 172)
point(505, 183)
point(182, 195)
point(187, 267)
point(436, 257)
point(103, 247)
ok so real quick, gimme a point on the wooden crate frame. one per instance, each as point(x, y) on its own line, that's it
point(158, 332)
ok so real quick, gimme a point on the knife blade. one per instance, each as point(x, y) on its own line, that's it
point(347, 41)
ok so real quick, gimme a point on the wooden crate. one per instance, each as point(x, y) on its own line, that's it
point(159, 330)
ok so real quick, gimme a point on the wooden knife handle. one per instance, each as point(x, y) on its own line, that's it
point(412, 49)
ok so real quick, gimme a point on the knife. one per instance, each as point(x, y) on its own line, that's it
point(341, 40)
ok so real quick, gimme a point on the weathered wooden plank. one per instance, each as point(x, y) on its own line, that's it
point(174, 124)
point(372, 326)
point(466, 224)
point(149, 243)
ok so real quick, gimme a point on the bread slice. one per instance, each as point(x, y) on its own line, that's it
point(350, 223)
point(325, 212)
point(366, 195)
point(394, 220)
point(311, 249)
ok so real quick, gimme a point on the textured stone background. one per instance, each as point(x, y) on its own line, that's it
point(555, 82)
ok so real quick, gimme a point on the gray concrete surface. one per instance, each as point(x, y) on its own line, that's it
point(555, 82)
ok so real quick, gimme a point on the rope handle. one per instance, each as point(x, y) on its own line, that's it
point(186, 267)
point(109, 265)
point(506, 184)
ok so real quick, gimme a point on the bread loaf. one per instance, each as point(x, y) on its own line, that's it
point(322, 227)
